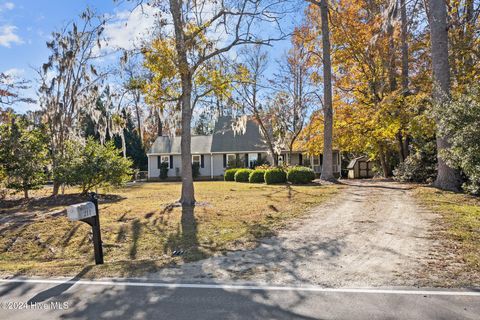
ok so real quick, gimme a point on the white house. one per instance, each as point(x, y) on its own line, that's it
point(223, 149)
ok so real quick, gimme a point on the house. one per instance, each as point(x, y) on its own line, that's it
point(223, 149)
point(360, 167)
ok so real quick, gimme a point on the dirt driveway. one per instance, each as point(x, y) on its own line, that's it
point(371, 234)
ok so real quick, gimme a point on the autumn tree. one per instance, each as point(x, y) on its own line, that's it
point(202, 32)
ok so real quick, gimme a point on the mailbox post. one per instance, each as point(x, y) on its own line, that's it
point(88, 212)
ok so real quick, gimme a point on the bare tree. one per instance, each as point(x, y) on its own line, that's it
point(70, 84)
point(10, 90)
point(447, 178)
point(251, 85)
point(295, 96)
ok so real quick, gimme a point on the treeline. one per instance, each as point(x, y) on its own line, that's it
point(387, 104)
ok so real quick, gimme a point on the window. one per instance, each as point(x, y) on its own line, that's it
point(280, 160)
point(231, 160)
point(316, 161)
point(252, 159)
point(196, 159)
point(165, 159)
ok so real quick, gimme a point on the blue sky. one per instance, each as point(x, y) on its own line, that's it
point(25, 26)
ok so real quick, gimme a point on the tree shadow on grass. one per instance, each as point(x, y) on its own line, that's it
point(185, 239)
point(47, 203)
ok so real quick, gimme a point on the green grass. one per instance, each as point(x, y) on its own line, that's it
point(461, 222)
point(141, 228)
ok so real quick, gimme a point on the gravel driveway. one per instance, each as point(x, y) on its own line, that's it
point(371, 234)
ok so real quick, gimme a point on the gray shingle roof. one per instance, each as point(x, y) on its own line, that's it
point(171, 145)
point(224, 139)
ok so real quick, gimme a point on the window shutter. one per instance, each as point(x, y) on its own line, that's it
point(246, 160)
point(171, 162)
point(321, 159)
point(224, 160)
point(202, 161)
point(259, 157)
point(158, 162)
point(300, 159)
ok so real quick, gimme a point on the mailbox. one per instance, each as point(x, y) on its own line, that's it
point(81, 211)
point(88, 212)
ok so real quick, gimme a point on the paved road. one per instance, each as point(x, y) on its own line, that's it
point(149, 300)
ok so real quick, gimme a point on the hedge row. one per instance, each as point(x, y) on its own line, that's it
point(294, 175)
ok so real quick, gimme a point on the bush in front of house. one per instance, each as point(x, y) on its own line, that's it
point(242, 175)
point(257, 176)
point(300, 175)
point(230, 174)
point(163, 170)
point(195, 170)
point(275, 175)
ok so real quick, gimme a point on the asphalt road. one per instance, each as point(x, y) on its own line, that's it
point(117, 299)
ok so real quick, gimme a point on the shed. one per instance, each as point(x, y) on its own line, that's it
point(360, 167)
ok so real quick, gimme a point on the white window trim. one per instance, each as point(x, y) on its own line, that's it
point(199, 159)
point(168, 160)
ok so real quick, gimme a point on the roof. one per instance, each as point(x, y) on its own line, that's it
point(354, 161)
point(171, 145)
point(224, 139)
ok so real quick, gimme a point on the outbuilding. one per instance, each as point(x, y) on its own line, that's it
point(360, 167)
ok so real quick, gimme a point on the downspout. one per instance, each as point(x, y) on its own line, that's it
point(211, 166)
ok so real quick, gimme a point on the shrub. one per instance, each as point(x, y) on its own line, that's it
point(230, 174)
point(418, 166)
point(95, 165)
point(275, 175)
point(257, 176)
point(300, 175)
point(242, 175)
point(459, 121)
point(163, 170)
point(195, 170)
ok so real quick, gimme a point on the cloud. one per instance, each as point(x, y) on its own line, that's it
point(9, 5)
point(127, 29)
point(14, 72)
point(8, 36)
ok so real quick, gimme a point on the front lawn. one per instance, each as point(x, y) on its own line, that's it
point(141, 228)
point(458, 256)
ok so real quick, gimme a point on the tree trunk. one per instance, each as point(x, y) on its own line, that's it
point(405, 74)
point(159, 125)
point(188, 193)
point(383, 162)
point(56, 188)
point(25, 193)
point(327, 167)
point(447, 177)
point(139, 119)
point(404, 45)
